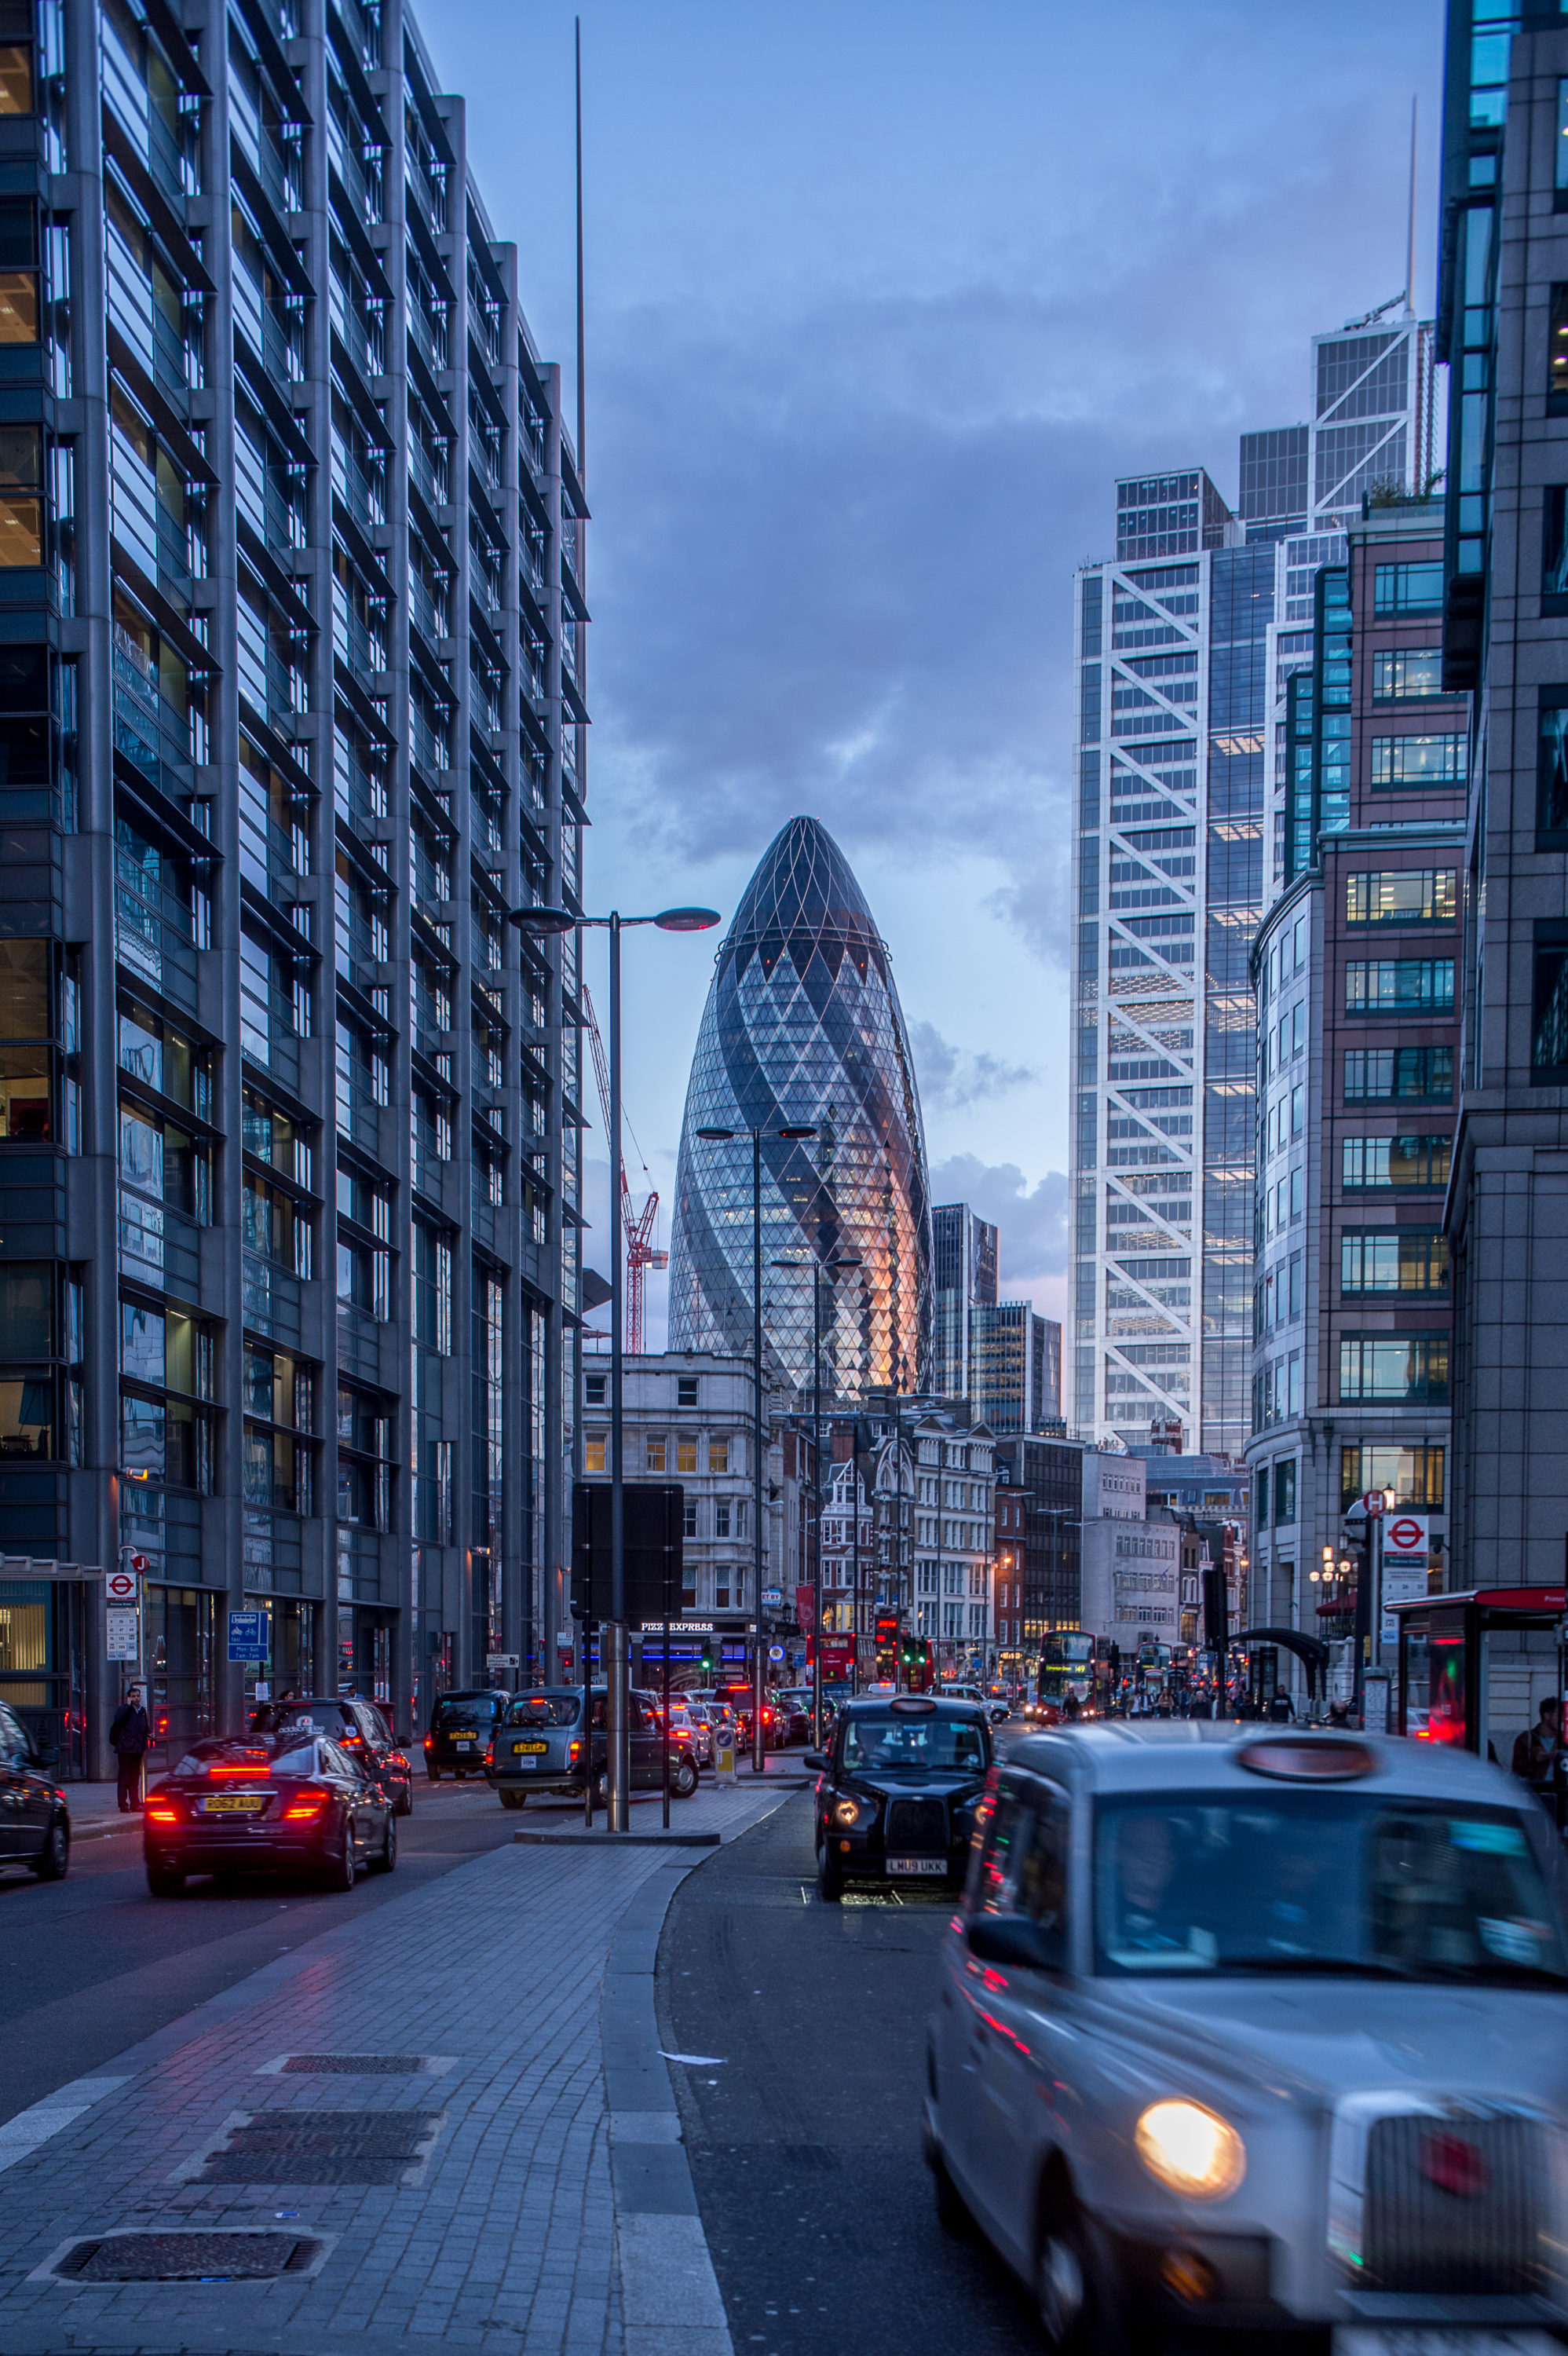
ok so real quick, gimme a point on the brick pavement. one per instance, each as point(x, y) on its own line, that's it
point(554, 2216)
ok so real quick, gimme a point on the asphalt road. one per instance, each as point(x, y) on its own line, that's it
point(805, 2140)
point(90, 1965)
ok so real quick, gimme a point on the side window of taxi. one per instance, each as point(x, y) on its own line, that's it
point(1022, 1866)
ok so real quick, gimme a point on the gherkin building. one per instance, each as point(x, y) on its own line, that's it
point(802, 1028)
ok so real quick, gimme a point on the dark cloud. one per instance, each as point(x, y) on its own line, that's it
point(950, 1078)
point(1032, 1219)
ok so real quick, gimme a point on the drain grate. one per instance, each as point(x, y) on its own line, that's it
point(322, 2147)
point(356, 2065)
point(186, 2257)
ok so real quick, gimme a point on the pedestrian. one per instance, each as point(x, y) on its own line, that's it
point(131, 1737)
point(1537, 1747)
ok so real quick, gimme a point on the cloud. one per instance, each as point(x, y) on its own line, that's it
point(1032, 1219)
point(950, 1078)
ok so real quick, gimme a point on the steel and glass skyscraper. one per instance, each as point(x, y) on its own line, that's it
point(290, 704)
point(802, 1028)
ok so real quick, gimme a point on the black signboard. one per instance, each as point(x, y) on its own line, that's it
point(655, 1511)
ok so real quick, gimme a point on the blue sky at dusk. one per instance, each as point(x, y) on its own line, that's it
point(881, 297)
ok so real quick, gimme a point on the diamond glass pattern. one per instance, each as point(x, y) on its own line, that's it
point(803, 1026)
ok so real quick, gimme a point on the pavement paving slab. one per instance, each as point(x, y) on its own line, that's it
point(518, 2189)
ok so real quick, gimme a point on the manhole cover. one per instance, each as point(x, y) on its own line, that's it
point(357, 2065)
point(186, 2257)
point(322, 2147)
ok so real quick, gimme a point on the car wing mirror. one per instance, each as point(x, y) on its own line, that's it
point(1017, 1941)
point(46, 1756)
point(817, 1758)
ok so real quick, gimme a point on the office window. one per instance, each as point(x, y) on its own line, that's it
point(1385, 1366)
point(21, 496)
point(657, 1452)
point(719, 1456)
point(722, 1517)
point(686, 1390)
point(593, 1389)
point(1415, 764)
point(1555, 548)
point(1296, 1284)
point(1373, 1074)
point(1285, 1491)
point(1414, 1474)
point(1417, 895)
point(1416, 1161)
point(1399, 986)
point(594, 1452)
point(1557, 349)
point(1403, 671)
point(1408, 1260)
point(1560, 165)
point(15, 74)
point(686, 1455)
point(1549, 1028)
point(688, 1517)
point(1408, 589)
point(1551, 777)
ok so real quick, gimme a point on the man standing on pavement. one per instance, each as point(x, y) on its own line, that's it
point(130, 1736)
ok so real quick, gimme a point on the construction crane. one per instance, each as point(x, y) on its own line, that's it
point(637, 1225)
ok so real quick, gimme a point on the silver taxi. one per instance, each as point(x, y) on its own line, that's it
point(1261, 2032)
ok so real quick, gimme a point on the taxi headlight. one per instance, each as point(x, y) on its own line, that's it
point(1191, 2150)
point(848, 1811)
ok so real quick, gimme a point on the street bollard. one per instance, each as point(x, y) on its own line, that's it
point(724, 1758)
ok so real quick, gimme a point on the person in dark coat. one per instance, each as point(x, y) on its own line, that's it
point(130, 1736)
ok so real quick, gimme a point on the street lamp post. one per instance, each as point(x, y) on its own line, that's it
point(819, 1268)
point(616, 1737)
point(722, 1136)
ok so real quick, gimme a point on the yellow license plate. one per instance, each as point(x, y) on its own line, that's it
point(464, 1738)
point(234, 1803)
point(520, 1750)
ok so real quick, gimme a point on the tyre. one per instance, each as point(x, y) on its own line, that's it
point(337, 1866)
point(403, 1806)
point(433, 1771)
point(385, 1859)
point(1078, 2314)
point(165, 1880)
point(512, 1799)
point(683, 1778)
point(829, 1881)
point(952, 2210)
point(54, 1858)
point(601, 1788)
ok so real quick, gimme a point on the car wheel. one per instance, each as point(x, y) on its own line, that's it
point(601, 1788)
point(952, 2208)
point(434, 1773)
point(513, 1799)
point(829, 1881)
point(403, 1806)
point(1077, 2313)
point(337, 1870)
point(386, 1862)
point(54, 1857)
point(164, 1882)
point(683, 1779)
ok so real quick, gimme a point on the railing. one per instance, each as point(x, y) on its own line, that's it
point(359, 1342)
point(430, 192)
point(431, 753)
point(433, 481)
point(269, 854)
point(159, 1247)
point(268, 1031)
point(432, 336)
point(355, 953)
point(269, 1299)
point(362, 327)
point(279, 169)
point(359, 799)
point(430, 620)
point(153, 934)
point(360, 1118)
point(431, 883)
point(364, 655)
point(363, 494)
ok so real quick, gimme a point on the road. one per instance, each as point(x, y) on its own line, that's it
point(91, 1964)
point(805, 2140)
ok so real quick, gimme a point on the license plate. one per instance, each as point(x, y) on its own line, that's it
point(917, 1865)
point(1426, 2340)
point(530, 1749)
point(463, 1742)
point(234, 1803)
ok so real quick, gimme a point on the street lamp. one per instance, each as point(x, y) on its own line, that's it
point(721, 1137)
point(819, 1268)
point(617, 1746)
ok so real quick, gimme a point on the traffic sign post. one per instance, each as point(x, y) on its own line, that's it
point(123, 1588)
point(248, 1636)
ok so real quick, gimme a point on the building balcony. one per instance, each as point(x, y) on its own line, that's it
point(153, 936)
point(272, 1299)
point(159, 1247)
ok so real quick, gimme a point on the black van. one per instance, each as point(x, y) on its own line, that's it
point(461, 1725)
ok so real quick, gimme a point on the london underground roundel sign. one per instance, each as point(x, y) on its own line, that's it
point(1404, 1536)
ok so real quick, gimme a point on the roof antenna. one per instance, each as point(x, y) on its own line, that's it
point(582, 384)
point(1410, 246)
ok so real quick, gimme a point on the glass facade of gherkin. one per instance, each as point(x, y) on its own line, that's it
point(803, 1026)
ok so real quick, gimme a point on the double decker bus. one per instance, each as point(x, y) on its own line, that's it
point(1067, 1665)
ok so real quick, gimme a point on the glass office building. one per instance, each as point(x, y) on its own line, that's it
point(802, 1028)
point(291, 690)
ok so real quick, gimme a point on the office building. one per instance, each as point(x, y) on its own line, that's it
point(291, 668)
point(1043, 1481)
point(963, 1269)
point(1355, 970)
point(1015, 1368)
point(803, 1029)
point(1502, 328)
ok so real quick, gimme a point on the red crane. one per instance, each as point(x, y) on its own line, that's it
point(637, 1225)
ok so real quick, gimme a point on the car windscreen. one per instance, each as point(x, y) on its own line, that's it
point(238, 1762)
point(546, 1709)
point(914, 1742)
point(1324, 1882)
point(469, 1709)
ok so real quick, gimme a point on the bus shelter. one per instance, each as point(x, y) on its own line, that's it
point(1474, 1668)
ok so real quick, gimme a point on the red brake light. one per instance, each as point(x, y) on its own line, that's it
point(352, 1741)
point(307, 1804)
point(489, 1754)
point(428, 1740)
point(397, 1758)
point(226, 1767)
point(161, 1816)
point(574, 1751)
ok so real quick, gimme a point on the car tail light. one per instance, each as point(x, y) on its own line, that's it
point(429, 1741)
point(351, 1741)
point(160, 1813)
point(574, 1752)
point(306, 1806)
point(397, 1758)
point(489, 1754)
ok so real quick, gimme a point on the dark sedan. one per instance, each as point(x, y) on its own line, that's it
point(293, 1801)
point(898, 1791)
point(35, 1822)
point(357, 1726)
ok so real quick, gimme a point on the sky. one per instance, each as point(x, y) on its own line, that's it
point(881, 297)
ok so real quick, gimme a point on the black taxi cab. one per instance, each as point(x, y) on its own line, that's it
point(896, 1794)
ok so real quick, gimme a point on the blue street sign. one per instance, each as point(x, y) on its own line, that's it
point(246, 1635)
